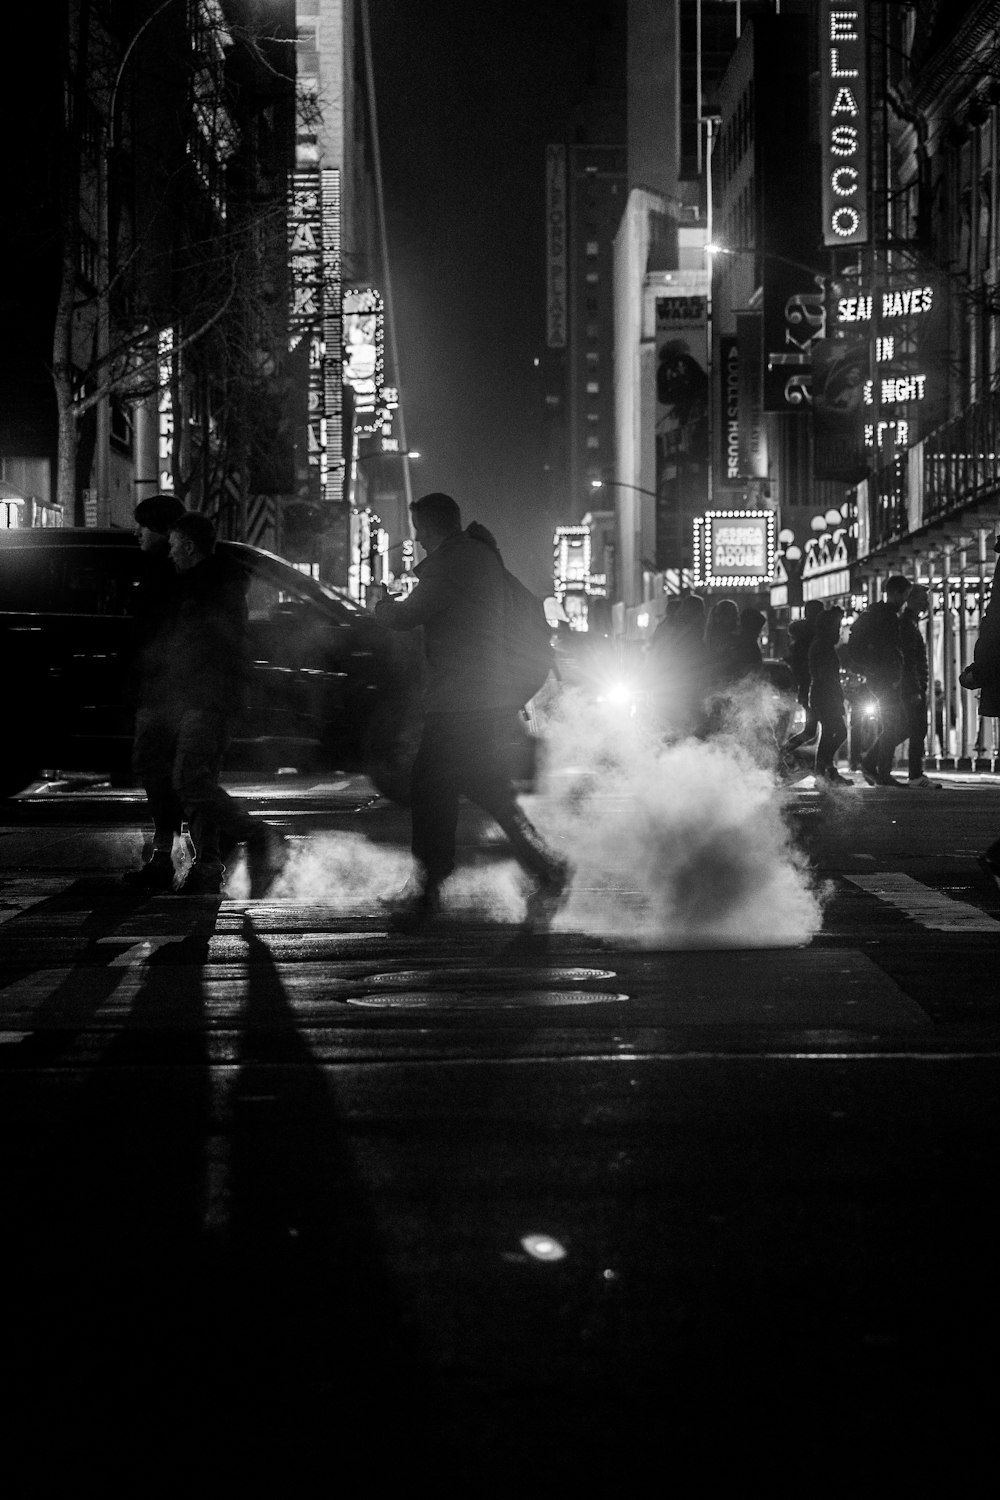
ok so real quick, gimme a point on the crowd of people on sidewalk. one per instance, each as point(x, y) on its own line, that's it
point(700, 657)
point(191, 665)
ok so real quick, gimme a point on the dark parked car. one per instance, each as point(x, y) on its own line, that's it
point(329, 688)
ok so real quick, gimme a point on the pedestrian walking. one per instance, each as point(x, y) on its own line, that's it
point(876, 650)
point(914, 687)
point(748, 660)
point(721, 644)
point(984, 675)
point(154, 600)
point(469, 711)
point(677, 666)
point(800, 637)
point(197, 669)
point(826, 695)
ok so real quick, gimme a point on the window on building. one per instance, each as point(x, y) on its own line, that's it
point(593, 389)
point(593, 441)
point(593, 248)
point(88, 263)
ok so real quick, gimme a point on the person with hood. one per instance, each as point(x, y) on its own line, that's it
point(800, 635)
point(875, 649)
point(677, 660)
point(154, 599)
point(914, 687)
point(748, 660)
point(984, 674)
point(826, 694)
point(459, 603)
point(196, 673)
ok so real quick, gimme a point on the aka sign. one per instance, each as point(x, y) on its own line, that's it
point(844, 121)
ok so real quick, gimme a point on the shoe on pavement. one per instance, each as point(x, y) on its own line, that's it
point(886, 781)
point(548, 896)
point(834, 777)
point(267, 855)
point(925, 783)
point(867, 770)
point(201, 880)
point(415, 909)
point(157, 874)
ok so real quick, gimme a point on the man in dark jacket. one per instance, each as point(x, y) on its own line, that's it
point(459, 603)
point(984, 675)
point(914, 687)
point(801, 634)
point(195, 675)
point(154, 601)
point(875, 650)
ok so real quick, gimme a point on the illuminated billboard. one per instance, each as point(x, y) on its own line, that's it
point(364, 355)
point(734, 549)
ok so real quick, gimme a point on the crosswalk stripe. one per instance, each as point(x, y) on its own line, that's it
point(17, 896)
point(931, 908)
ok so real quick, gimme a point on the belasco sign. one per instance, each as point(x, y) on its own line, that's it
point(843, 62)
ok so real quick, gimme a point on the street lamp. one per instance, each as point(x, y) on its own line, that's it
point(714, 248)
point(620, 484)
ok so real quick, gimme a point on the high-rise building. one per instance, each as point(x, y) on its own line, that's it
point(586, 181)
point(143, 326)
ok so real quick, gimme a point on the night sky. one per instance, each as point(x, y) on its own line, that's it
point(468, 97)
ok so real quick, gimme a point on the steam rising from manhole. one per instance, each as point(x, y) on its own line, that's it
point(480, 1000)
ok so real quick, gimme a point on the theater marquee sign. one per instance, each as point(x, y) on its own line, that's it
point(844, 121)
point(734, 548)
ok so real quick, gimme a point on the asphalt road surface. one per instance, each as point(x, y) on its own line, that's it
point(296, 1203)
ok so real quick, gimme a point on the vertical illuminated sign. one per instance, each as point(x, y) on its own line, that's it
point(333, 469)
point(728, 472)
point(843, 64)
point(555, 246)
point(752, 441)
point(305, 241)
point(364, 356)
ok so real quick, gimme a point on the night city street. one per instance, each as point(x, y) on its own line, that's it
point(500, 772)
point(282, 1187)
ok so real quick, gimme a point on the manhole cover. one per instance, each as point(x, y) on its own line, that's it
point(459, 1000)
point(487, 978)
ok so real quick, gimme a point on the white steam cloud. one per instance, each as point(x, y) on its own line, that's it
point(671, 845)
point(674, 845)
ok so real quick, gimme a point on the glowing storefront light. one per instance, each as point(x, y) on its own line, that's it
point(543, 1247)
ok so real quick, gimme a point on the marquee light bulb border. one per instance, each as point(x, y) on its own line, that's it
point(704, 528)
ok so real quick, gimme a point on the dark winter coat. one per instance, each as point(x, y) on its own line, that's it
point(875, 648)
point(200, 657)
point(987, 653)
point(153, 605)
point(459, 603)
point(826, 695)
point(914, 680)
point(801, 634)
